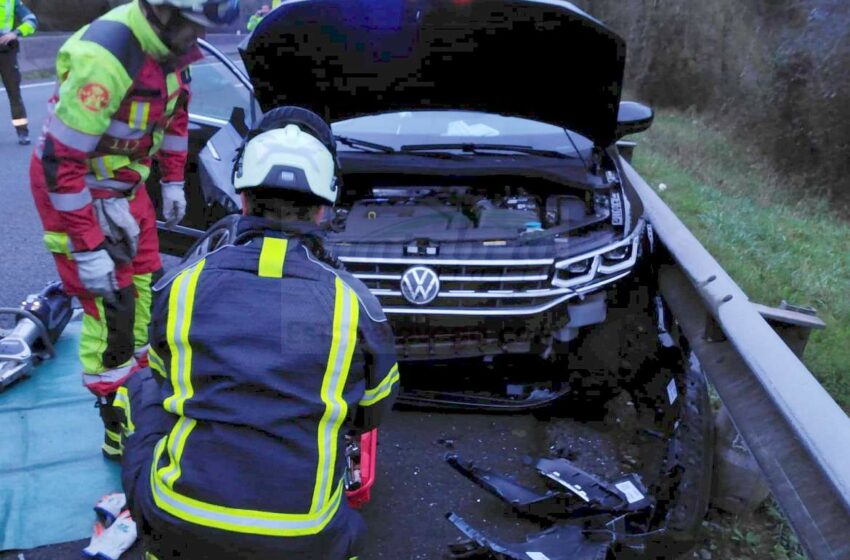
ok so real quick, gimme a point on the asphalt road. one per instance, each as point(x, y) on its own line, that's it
point(414, 487)
point(25, 265)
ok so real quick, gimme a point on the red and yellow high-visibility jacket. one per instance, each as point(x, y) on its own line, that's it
point(122, 99)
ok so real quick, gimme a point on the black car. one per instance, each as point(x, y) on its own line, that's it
point(484, 202)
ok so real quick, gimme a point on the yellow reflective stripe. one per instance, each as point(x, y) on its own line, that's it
point(142, 318)
point(382, 390)
point(58, 242)
point(176, 444)
point(181, 302)
point(235, 519)
point(110, 450)
point(139, 113)
point(173, 86)
point(122, 401)
point(93, 338)
point(156, 141)
point(102, 167)
point(272, 256)
point(346, 313)
point(157, 364)
point(114, 436)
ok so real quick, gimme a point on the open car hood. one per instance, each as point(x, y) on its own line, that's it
point(544, 60)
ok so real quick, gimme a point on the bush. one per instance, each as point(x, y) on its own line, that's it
point(774, 72)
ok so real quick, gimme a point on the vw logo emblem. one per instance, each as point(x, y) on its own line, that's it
point(420, 285)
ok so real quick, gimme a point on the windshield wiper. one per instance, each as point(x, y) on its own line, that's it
point(471, 148)
point(364, 144)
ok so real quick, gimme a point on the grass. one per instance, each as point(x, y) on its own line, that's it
point(780, 241)
point(773, 234)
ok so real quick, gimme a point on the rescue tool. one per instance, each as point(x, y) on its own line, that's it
point(41, 318)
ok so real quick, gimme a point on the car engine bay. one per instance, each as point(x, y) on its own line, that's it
point(467, 212)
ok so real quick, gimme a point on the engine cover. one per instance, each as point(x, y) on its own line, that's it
point(386, 221)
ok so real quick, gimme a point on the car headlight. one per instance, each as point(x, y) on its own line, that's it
point(618, 254)
point(579, 267)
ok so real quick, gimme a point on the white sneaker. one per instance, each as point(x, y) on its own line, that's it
point(109, 507)
point(117, 538)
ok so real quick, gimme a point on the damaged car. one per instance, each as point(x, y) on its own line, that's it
point(485, 204)
point(483, 200)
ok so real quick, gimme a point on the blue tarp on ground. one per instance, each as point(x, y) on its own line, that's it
point(51, 468)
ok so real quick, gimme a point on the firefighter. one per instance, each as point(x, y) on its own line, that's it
point(11, 13)
point(267, 352)
point(121, 100)
point(258, 16)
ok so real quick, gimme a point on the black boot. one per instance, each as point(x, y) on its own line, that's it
point(23, 137)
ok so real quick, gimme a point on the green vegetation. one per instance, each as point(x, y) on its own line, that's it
point(777, 243)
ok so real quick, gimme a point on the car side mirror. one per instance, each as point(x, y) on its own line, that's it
point(633, 118)
point(237, 120)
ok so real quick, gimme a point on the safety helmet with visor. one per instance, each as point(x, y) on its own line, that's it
point(292, 151)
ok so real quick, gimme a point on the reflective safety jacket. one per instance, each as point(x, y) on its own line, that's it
point(255, 19)
point(267, 355)
point(122, 98)
point(14, 11)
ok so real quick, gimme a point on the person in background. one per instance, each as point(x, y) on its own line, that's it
point(258, 16)
point(17, 21)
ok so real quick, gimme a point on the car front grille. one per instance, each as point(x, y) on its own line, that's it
point(497, 286)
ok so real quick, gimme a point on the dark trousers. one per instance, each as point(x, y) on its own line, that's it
point(169, 538)
point(11, 74)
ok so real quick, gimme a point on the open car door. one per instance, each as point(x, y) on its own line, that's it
point(221, 110)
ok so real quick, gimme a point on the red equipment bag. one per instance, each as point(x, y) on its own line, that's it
point(359, 496)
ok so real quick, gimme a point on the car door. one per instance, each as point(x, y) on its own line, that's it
point(220, 90)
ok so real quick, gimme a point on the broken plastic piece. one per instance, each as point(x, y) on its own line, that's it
point(624, 495)
point(562, 542)
point(519, 497)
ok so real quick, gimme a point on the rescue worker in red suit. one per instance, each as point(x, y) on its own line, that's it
point(122, 100)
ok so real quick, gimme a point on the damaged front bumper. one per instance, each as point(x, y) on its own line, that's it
point(585, 517)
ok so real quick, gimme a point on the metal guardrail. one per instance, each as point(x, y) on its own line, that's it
point(797, 433)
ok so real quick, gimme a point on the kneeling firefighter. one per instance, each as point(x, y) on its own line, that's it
point(121, 100)
point(265, 353)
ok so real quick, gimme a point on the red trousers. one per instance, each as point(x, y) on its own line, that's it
point(112, 332)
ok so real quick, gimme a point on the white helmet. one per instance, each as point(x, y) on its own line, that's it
point(209, 13)
point(292, 150)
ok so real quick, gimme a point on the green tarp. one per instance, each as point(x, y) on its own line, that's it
point(51, 469)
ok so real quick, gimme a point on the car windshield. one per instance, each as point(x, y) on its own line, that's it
point(410, 128)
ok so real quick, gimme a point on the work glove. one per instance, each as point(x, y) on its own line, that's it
point(173, 202)
point(97, 539)
point(119, 227)
point(97, 273)
point(109, 507)
point(111, 543)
